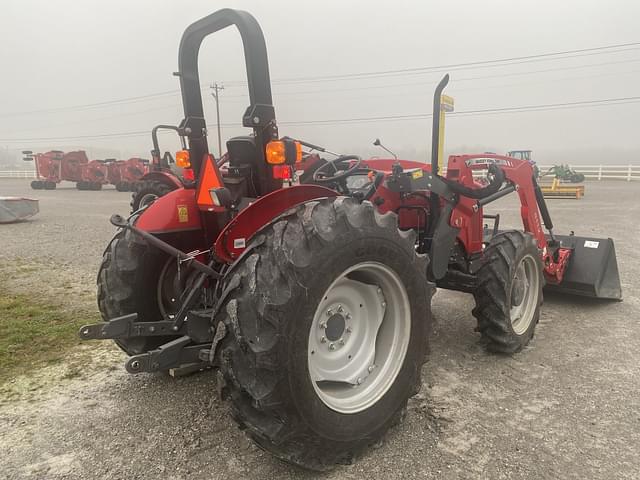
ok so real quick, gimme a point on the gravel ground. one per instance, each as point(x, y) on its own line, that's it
point(568, 406)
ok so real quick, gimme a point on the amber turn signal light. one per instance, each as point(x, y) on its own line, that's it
point(182, 159)
point(287, 151)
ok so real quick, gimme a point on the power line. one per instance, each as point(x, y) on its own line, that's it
point(465, 65)
point(339, 121)
point(561, 55)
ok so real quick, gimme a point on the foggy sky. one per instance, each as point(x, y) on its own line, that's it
point(63, 53)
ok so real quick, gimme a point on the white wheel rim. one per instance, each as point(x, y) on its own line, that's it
point(525, 301)
point(359, 337)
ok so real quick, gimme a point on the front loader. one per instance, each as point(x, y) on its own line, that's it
point(307, 281)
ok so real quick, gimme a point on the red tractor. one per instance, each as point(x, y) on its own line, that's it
point(94, 175)
point(125, 174)
point(164, 174)
point(55, 166)
point(311, 294)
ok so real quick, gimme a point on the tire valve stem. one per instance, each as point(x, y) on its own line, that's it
point(359, 381)
point(371, 368)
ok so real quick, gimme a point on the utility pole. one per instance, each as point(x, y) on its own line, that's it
point(215, 93)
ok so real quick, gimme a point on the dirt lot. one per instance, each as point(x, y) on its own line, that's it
point(566, 407)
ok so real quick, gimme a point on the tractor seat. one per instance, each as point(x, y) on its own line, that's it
point(241, 169)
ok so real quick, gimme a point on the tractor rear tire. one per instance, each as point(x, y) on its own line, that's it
point(49, 185)
point(127, 283)
point(509, 292)
point(147, 191)
point(81, 185)
point(276, 294)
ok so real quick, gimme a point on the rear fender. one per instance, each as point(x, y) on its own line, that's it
point(166, 177)
point(174, 212)
point(236, 235)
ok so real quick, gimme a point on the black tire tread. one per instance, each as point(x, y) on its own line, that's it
point(249, 353)
point(149, 186)
point(492, 293)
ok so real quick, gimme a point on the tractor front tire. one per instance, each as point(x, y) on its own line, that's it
point(37, 185)
point(509, 291)
point(147, 191)
point(327, 319)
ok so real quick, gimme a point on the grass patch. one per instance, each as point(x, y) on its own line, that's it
point(34, 334)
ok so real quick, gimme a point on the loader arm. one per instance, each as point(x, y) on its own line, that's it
point(519, 177)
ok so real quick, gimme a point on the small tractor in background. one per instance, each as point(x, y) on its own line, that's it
point(125, 174)
point(55, 166)
point(525, 155)
point(311, 292)
point(164, 174)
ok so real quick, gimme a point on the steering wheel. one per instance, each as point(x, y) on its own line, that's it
point(340, 167)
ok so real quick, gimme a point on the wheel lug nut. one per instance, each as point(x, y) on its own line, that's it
point(323, 325)
point(371, 368)
point(329, 312)
point(332, 346)
point(359, 381)
point(340, 309)
point(379, 290)
point(348, 330)
point(348, 316)
point(341, 342)
point(384, 304)
point(323, 339)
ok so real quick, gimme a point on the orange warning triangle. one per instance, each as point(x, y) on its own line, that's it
point(209, 178)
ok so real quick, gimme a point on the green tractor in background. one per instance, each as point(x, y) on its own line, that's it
point(562, 172)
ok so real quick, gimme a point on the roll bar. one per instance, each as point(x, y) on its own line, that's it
point(260, 115)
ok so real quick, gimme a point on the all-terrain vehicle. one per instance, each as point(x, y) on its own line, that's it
point(312, 298)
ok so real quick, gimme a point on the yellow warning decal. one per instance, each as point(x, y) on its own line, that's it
point(417, 174)
point(183, 214)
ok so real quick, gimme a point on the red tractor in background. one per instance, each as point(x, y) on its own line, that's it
point(125, 174)
point(311, 293)
point(94, 175)
point(55, 166)
point(164, 174)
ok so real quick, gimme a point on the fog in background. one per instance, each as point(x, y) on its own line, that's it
point(60, 58)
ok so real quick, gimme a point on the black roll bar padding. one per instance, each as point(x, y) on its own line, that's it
point(259, 82)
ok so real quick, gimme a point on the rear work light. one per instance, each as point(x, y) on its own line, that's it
point(278, 152)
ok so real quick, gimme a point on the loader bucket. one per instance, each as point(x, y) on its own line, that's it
point(592, 270)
